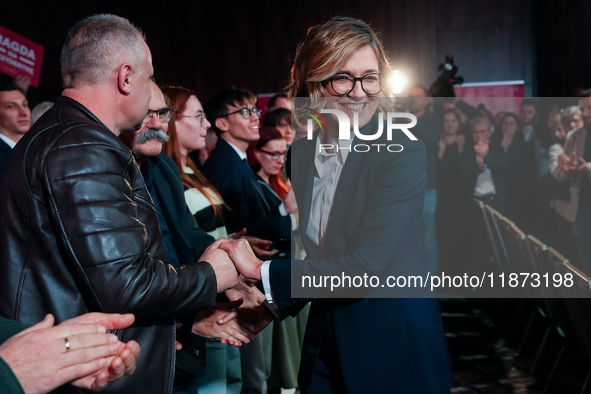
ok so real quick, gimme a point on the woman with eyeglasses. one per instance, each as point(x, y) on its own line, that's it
point(267, 156)
point(365, 211)
point(187, 129)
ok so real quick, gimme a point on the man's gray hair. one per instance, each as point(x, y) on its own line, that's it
point(97, 46)
point(568, 111)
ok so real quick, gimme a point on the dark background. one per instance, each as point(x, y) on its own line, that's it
point(211, 45)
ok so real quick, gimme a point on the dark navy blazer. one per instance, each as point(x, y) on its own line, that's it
point(384, 345)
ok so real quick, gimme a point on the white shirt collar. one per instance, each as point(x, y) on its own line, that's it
point(343, 151)
point(240, 153)
point(8, 141)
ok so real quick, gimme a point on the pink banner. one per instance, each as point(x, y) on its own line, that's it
point(20, 56)
point(487, 93)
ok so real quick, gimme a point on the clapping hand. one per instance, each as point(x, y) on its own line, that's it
point(44, 357)
point(572, 166)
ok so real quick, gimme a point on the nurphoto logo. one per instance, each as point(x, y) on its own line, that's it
point(345, 129)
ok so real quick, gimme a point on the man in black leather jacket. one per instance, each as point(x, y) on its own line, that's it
point(78, 230)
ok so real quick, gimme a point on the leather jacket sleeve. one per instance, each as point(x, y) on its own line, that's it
point(107, 223)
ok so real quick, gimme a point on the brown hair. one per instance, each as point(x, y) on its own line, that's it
point(276, 182)
point(325, 51)
point(177, 97)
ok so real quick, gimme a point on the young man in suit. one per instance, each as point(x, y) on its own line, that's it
point(15, 119)
point(234, 116)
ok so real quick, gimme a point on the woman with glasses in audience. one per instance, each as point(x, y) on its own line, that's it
point(267, 157)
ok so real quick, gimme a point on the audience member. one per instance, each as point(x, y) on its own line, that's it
point(234, 116)
point(279, 100)
point(43, 357)
point(75, 193)
point(267, 157)
point(477, 163)
point(527, 116)
point(573, 165)
point(428, 129)
point(513, 175)
point(449, 205)
point(15, 119)
point(280, 118)
point(187, 131)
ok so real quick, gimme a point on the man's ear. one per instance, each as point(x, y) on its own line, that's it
point(222, 124)
point(123, 78)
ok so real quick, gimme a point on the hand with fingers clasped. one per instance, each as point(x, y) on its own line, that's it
point(244, 259)
point(253, 308)
point(225, 272)
point(233, 332)
point(44, 357)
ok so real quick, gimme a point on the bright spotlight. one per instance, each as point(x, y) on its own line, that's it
point(397, 82)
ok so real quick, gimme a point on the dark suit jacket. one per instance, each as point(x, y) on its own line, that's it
point(383, 345)
point(240, 190)
point(189, 240)
point(5, 152)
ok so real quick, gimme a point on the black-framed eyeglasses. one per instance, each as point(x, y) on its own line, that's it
point(343, 83)
point(274, 155)
point(163, 114)
point(199, 117)
point(245, 112)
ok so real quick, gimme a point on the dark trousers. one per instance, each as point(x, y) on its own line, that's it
point(327, 377)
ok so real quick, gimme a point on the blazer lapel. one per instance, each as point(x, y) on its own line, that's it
point(246, 170)
point(302, 179)
point(348, 185)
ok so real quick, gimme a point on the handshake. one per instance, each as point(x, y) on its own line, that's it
point(237, 268)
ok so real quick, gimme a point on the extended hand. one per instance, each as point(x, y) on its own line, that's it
point(259, 316)
point(253, 308)
point(243, 258)
point(233, 331)
point(247, 292)
point(225, 272)
point(258, 245)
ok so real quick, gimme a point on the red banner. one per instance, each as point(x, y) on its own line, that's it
point(20, 56)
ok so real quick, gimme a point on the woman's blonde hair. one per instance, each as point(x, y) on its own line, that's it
point(325, 51)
